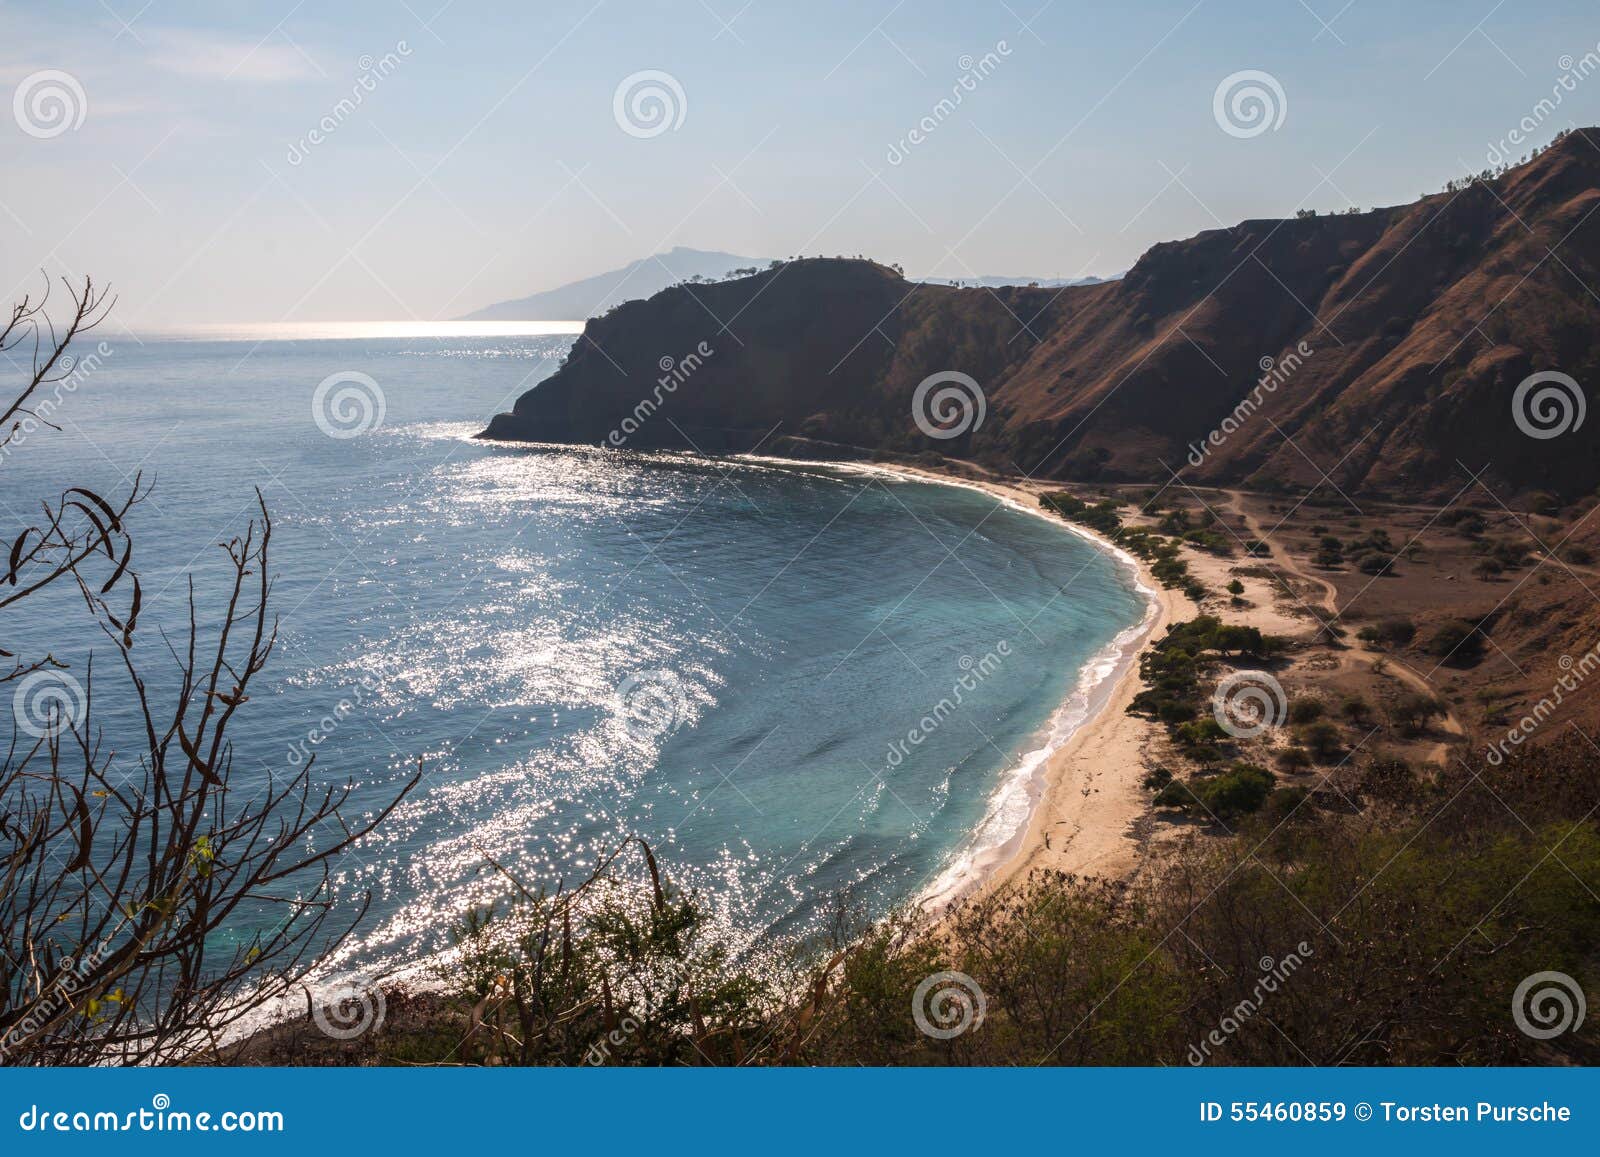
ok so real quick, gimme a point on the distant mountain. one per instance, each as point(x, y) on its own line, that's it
point(594, 295)
point(1395, 348)
point(648, 276)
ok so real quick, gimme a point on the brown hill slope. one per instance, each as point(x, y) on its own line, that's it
point(1399, 338)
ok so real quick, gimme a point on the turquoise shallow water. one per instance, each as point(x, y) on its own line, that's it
point(796, 682)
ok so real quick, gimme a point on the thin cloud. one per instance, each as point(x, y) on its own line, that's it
point(196, 53)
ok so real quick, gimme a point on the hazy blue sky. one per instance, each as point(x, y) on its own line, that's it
point(488, 162)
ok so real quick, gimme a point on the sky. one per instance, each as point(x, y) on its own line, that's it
point(418, 159)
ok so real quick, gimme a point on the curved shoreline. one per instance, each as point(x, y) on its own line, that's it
point(1082, 789)
point(1086, 774)
point(1083, 792)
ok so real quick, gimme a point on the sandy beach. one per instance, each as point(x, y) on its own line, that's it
point(1087, 794)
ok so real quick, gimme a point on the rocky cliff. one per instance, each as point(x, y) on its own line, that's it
point(1384, 349)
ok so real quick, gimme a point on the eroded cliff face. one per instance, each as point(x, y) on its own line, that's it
point(1383, 348)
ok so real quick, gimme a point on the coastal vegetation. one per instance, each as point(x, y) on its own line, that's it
point(1376, 907)
point(1161, 551)
point(1173, 668)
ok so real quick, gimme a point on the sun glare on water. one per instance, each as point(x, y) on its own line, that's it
point(363, 330)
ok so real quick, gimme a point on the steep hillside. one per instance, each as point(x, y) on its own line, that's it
point(1397, 339)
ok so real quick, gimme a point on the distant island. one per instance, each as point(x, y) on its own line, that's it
point(642, 278)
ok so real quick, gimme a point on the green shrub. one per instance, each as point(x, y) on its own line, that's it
point(1412, 711)
point(1322, 740)
point(1077, 971)
point(1356, 709)
point(1240, 790)
point(1389, 632)
point(1174, 794)
point(1305, 709)
point(1286, 804)
point(1294, 759)
point(1456, 641)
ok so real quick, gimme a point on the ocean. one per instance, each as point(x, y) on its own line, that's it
point(804, 686)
